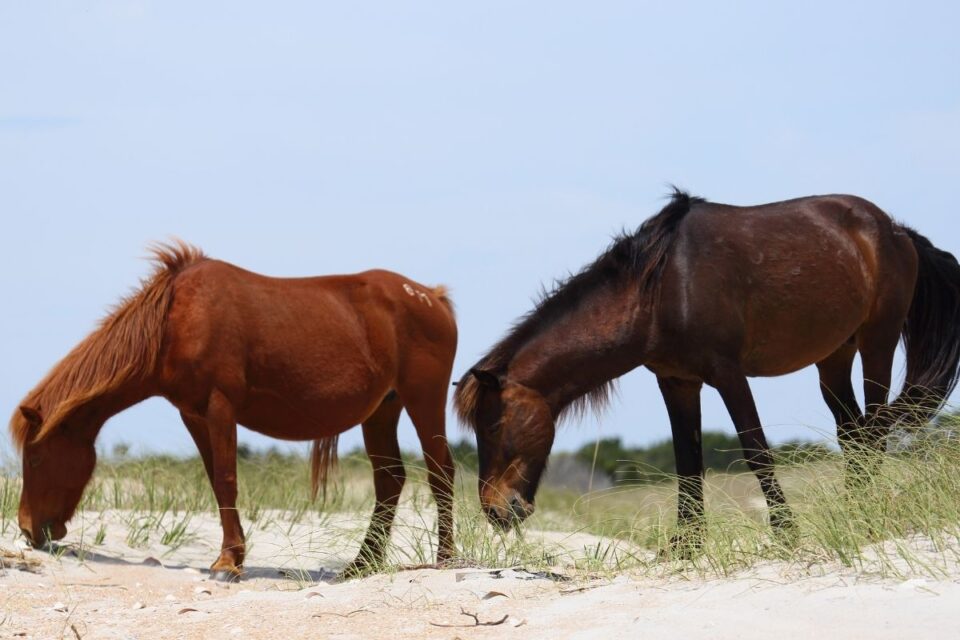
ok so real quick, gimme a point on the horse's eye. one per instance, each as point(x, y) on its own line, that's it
point(495, 427)
point(34, 461)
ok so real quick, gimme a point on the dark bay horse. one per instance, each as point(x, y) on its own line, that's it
point(712, 293)
point(292, 358)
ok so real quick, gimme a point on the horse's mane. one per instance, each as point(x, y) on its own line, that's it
point(123, 348)
point(638, 257)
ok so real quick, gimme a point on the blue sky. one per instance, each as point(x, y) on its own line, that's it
point(491, 148)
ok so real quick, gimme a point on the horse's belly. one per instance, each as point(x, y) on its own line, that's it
point(296, 418)
point(772, 365)
point(777, 348)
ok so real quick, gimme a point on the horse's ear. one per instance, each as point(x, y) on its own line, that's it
point(31, 415)
point(486, 378)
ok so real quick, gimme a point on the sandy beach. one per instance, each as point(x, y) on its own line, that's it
point(116, 591)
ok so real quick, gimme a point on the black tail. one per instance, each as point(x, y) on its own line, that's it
point(931, 334)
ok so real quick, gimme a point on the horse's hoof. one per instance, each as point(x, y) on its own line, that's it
point(682, 546)
point(453, 562)
point(669, 554)
point(786, 534)
point(226, 575)
point(353, 571)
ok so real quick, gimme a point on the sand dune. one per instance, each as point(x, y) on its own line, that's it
point(116, 591)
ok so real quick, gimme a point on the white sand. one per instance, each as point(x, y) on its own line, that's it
point(114, 594)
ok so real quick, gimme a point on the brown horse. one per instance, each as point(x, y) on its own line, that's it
point(293, 358)
point(711, 293)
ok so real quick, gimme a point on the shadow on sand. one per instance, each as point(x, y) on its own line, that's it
point(323, 574)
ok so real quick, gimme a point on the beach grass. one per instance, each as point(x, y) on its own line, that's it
point(887, 523)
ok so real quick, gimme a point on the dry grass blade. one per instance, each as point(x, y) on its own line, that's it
point(19, 561)
point(476, 621)
point(349, 614)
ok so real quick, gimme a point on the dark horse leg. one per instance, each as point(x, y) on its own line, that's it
point(877, 348)
point(380, 440)
point(837, 389)
point(735, 391)
point(682, 398)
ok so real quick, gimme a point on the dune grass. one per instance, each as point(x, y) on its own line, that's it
point(904, 520)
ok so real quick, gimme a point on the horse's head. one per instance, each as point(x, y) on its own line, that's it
point(515, 429)
point(56, 468)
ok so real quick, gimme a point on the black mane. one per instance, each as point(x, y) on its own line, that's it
point(637, 256)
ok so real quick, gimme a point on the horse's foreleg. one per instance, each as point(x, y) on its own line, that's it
point(197, 428)
point(683, 406)
point(428, 414)
point(735, 392)
point(222, 432)
point(383, 449)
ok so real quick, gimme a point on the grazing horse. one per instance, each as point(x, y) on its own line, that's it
point(291, 358)
point(712, 293)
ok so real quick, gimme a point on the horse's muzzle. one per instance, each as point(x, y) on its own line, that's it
point(28, 537)
point(513, 513)
point(498, 518)
point(47, 534)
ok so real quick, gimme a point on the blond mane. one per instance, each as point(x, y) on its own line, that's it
point(123, 348)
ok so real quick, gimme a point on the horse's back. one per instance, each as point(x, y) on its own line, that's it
point(812, 229)
point(291, 347)
point(782, 285)
point(222, 297)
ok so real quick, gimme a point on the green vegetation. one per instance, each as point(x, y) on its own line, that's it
point(721, 452)
point(912, 499)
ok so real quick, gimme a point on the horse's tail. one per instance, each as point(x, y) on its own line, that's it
point(123, 350)
point(931, 333)
point(323, 457)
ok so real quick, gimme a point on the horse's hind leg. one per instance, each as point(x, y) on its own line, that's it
point(877, 340)
point(380, 440)
point(426, 405)
point(877, 348)
point(735, 392)
point(837, 389)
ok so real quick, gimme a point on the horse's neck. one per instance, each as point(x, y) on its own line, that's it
point(120, 400)
point(96, 410)
point(600, 340)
